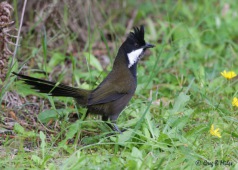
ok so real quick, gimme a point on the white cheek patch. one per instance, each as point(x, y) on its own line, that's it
point(134, 56)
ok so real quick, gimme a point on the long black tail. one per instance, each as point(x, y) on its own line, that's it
point(55, 89)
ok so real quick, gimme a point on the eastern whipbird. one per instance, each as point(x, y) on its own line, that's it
point(114, 92)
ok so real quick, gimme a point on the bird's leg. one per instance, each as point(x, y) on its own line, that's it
point(115, 128)
point(105, 119)
point(112, 125)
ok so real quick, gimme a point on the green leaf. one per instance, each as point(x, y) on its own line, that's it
point(55, 60)
point(47, 115)
point(24, 89)
point(125, 136)
point(163, 137)
point(20, 130)
point(36, 159)
point(93, 61)
point(180, 102)
point(137, 154)
point(43, 144)
point(73, 129)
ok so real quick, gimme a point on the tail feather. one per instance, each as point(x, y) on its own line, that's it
point(55, 89)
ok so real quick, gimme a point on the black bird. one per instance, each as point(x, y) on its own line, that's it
point(114, 92)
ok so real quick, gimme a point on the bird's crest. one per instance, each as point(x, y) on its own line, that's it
point(138, 34)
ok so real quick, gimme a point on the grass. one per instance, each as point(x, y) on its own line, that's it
point(180, 92)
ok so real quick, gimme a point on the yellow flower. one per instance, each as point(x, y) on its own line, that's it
point(228, 75)
point(215, 132)
point(235, 102)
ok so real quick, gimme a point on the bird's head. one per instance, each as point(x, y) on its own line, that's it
point(135, 46)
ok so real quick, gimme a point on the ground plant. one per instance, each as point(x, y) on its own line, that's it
point(184, 114)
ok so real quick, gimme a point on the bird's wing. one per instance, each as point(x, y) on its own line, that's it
point(104, 94)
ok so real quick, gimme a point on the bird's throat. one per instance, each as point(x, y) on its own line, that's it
point(134, 56)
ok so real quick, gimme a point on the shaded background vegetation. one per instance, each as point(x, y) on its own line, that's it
point(180, 91)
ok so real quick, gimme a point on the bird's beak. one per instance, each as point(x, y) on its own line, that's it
point(148, 45)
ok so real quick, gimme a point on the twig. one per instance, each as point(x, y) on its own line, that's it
point(131, 21)
point(19, 32)
point(7, 136)
point(6, 127)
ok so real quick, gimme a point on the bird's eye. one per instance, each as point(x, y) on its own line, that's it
point(136, 45)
